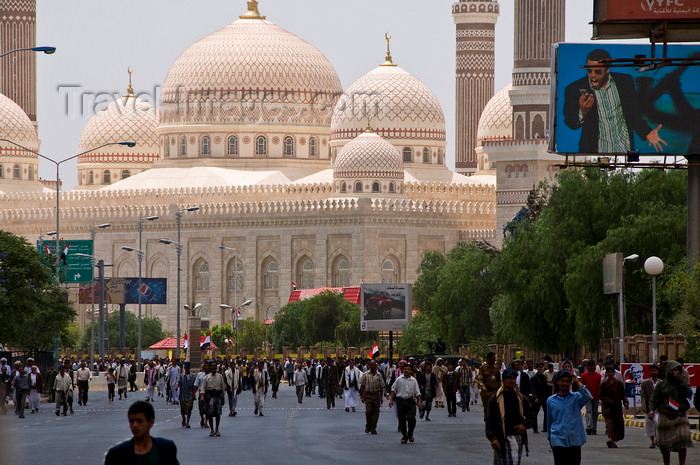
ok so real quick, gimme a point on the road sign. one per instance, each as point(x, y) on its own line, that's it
point(72, 268)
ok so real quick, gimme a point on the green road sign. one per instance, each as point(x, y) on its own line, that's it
point(72, 268)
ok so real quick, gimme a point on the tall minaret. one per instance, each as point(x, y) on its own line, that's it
point(18, 70)
point(475, 22)
point(538, 24)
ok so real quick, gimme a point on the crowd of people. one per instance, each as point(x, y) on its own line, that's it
point(511, 396)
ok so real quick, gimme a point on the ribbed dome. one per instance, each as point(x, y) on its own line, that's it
point(400, 106)
point(128, 119)
point(368, 156)
point(496, 120)
point(263, 73)
point(16, 126)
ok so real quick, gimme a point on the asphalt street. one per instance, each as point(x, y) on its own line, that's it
point(289, 433)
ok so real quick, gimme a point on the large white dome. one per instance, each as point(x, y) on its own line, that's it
point(16, 126)
point(398, 104)
point(259, 71)
point(18, 167)
point(368, 156)
point(128, 119)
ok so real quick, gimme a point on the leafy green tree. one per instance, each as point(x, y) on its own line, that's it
point(288, 328)
point(414, 340)
point(151, 331)
point(219, 334)
point(549, 272)
point(323, 314)
point(34, 309)
point(251, 334)
point(455, 292)
point(679, 288)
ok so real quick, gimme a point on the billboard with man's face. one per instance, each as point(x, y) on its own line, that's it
point(599, 109)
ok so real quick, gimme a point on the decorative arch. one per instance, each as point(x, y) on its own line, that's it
point(313, 147)
point(426, 155)
point(232, 145)
point(107, 177)
point(235, 274)
point(358, 186)
point(407, 154)
point(205, 146)
point(269, 272)
point(375, 187)
point(16, 172)
point(261, 145)
point(305, 272)
point(126, 174)
point(289, 146)
point(183, 146)
point(390, 269)
point(201, 274)
point(340, 270)
point(537, 126)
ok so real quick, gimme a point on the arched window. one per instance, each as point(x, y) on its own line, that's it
point(261, 145)
point(183, 146)
point(206, 149)
point(342, 186)
point(288, 146)
point(271, 312)
point(201, 276)
point(107, 177)
point(392, 187)
point(426, 155)
point(390, 271)
point(126, 174)
point(313, 147)
point(270, 275)
point(91, 177)
point(30, 174)
point(375, 187)
point(519, 127)
point(232, 148)
point(358, 186)
point(166, 147)
point(305, 274)
point(341, 272)
point(235, 275)
point(16, 172)
point(537, 127)
point(2, 172)
point(439, 156)
point(407, 154)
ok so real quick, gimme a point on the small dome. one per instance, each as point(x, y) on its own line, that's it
point(16, 126)
point(128, 119)
point(399, 105)
point(368, 156)
point(496, 120)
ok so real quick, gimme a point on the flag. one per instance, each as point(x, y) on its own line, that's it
point(205, 341)
point(294, 286)
point(375, 351)
point(187, 342)
point(48, 251)
point(64, 255)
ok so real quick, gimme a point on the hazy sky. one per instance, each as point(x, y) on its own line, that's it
point(98, 41)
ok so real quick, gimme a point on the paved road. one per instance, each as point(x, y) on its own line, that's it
point(289, 433)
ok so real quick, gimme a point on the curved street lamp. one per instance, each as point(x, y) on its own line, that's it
point(58, 186)
point(45, 49)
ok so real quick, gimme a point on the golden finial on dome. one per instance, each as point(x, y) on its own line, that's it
point(388, 61)
point(253, 12)
point(369, 123)
point(130, 89)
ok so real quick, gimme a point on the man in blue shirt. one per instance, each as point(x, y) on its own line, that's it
point(565, 430)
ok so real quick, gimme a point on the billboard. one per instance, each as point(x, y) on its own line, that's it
point(634, 373)
point(385, 307)
point(125, 291)
point(646, 10)
point(599, 110)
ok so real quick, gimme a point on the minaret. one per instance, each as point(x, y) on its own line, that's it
point(18, 70)
point(475, 21)
point(538, 24)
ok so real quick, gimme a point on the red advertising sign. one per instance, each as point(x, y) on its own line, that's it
point(640, 10)
point(639, 371)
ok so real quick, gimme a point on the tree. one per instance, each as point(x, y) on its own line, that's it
point(323, 317)
point(415, 339)
point(151, 331)
point(455, 292)
point(219, 334)
point(251, 334)
point(34, 309)
point(549, 272)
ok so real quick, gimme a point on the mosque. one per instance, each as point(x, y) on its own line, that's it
point(298, 182)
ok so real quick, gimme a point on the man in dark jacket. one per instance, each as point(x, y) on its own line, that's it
point(142, 446)
point(508, 418)
point(540, 393)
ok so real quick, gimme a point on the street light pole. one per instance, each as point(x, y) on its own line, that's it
point(621, 316)
point(654, 266)
point(234, 316)
point(178, 250)
point(139, 255)
point(235, 275)
point(58, 187)
point(93, 232)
